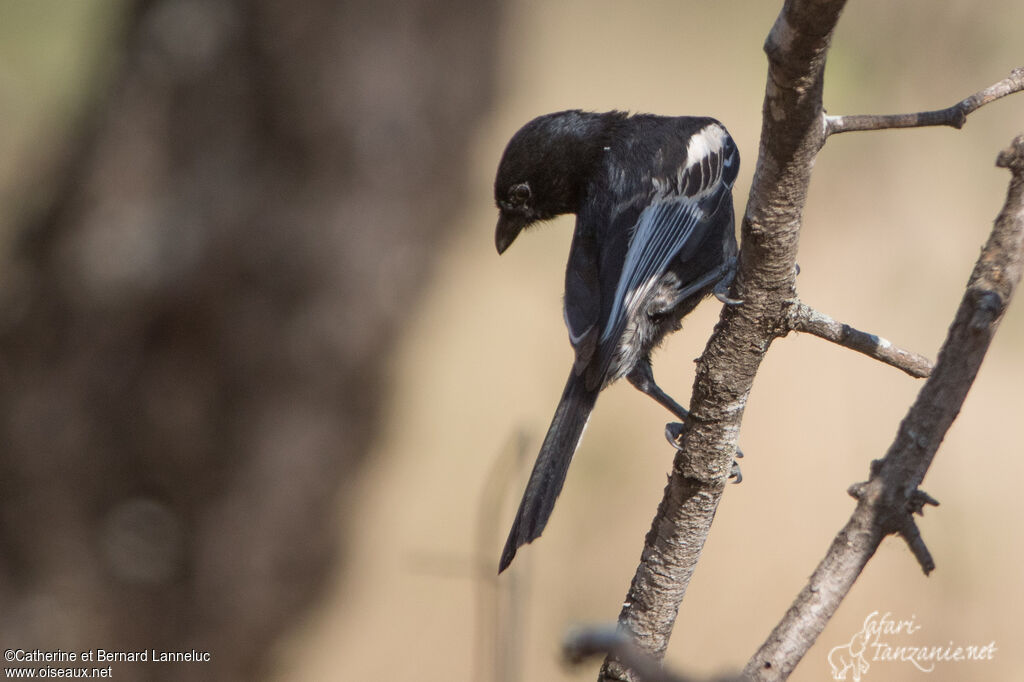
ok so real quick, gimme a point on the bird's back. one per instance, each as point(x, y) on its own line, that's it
point(648, 181)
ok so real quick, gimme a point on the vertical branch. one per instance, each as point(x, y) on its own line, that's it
point(791, 135)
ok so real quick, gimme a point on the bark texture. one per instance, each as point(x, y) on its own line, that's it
point(794, 128)
point(792, 132)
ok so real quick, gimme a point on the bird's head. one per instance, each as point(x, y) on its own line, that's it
point(545, 168)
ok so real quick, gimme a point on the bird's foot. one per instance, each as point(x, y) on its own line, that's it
point(735, 475)
point(674, 435)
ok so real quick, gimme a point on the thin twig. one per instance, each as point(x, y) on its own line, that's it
point(804, 318)
point(911, 534)
point(500, 605)
point(612, 641)
point(887, 500)
point(954, 116)
point(586, 642)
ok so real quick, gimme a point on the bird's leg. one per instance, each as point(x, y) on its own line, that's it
point(642, 377)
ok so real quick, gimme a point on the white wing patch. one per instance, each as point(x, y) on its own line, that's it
point(703, 169)
point(708, 141)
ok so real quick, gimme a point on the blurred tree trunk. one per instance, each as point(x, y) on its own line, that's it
point(193, 333)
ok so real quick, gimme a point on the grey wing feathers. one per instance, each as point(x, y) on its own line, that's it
point(679, 206)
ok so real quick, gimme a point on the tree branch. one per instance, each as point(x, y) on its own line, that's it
point(791, 135)
point(804, 318)
point(954, 116)
point(890, 497)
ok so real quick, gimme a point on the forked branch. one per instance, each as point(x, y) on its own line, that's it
point(796, 48)
point(794, 128)
point(890, 497)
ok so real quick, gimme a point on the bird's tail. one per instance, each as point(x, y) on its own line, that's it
point(552, 463)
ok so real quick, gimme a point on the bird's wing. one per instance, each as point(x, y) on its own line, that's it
point(582, 307)
point(684, 207)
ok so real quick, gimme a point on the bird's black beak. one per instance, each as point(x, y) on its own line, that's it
point(509, 227)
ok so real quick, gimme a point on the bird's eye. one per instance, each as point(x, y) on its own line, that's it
point(520, 193)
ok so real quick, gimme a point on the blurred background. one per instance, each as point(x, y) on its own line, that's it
point(268, 392)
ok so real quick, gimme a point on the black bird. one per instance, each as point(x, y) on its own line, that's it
point(654, 236)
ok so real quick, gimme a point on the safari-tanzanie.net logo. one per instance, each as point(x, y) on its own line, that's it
point(885, 641)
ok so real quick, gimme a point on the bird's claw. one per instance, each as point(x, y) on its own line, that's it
point(734, 470)
point(721, 290)
point(724, 298)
